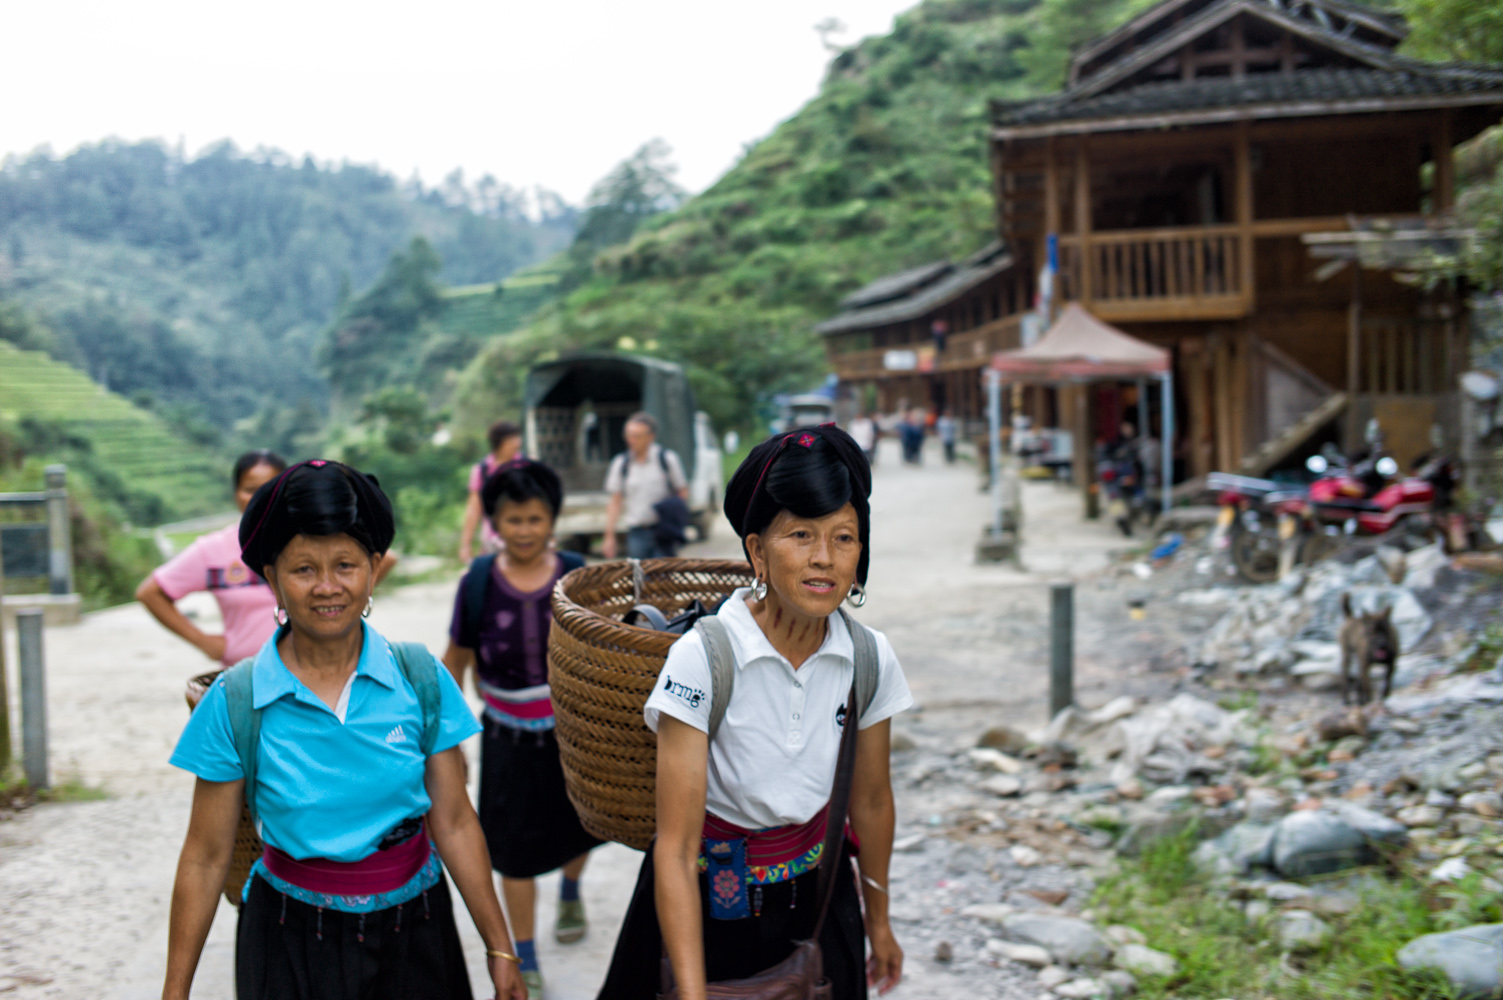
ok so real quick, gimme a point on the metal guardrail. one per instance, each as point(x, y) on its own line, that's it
point(40, 549)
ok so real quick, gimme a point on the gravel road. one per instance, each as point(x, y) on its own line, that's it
point(86, 885)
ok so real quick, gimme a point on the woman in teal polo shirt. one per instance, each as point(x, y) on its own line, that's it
point(357, 780)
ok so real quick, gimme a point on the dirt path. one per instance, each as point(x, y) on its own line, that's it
point(87, 885)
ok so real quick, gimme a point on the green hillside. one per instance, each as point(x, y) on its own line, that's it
point(202, 284)
point(162, 476)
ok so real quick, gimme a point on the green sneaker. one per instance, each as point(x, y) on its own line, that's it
point(571, 924)
point(533, 979)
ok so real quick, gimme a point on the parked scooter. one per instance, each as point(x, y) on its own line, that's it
point(1365, 499)
point(1258, 517)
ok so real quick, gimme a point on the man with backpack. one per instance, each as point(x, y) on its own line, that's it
point(649, 495)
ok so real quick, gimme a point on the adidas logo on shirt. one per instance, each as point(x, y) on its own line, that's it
point(396, 735)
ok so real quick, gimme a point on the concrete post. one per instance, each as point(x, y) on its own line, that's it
point(994, 443)
point(4, 682)
point(1061, 647)
point(59, 531)
point(33, 696)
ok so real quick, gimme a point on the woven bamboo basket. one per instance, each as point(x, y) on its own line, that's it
point(247, 844)
point(601, 673)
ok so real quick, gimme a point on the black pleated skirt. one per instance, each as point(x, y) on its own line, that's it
point(289, 950)
point(530, 825)
point(736, 949)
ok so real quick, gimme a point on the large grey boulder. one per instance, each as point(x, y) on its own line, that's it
point(1145, 961)
point(1247, 846)
point(1316, 842)
point(1374, 826)
point(1471, 958)
point(1068, 939)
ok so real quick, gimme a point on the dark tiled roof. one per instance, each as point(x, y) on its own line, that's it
point(1413, 80)
point(895, 285)
point(987, 262)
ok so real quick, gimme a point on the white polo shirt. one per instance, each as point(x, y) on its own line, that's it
point(772, 761)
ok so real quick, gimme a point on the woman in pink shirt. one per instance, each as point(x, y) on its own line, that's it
point(505, 439)
point(213, 563)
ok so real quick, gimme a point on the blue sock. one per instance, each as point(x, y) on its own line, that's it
point(528, 954)
point(568, 890)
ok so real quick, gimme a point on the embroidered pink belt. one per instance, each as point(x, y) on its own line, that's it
point(776, 846)
point(383, 871)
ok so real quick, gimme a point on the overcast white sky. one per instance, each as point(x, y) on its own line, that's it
point(552, 93)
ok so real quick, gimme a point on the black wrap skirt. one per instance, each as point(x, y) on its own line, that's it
point(530, 825)
point(290, 950)
point(736, 949)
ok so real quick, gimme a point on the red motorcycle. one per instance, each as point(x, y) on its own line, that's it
point(1364, 499)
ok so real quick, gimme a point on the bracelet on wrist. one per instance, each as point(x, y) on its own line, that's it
point(508, 956)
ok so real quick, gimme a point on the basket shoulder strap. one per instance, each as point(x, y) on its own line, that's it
point(867, 659)
point(245, 723)
point(418, 666)
point(722, 666)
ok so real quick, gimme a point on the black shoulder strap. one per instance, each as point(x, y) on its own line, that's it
point(473, 600)
point(840, 799)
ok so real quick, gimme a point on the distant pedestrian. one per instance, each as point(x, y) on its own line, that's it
point(500, 628)
point(864, 432)
point(505, 439)
point(345, 747)
point(946, 428)
point(212, 562)
point(639, 480)
point(911, 433)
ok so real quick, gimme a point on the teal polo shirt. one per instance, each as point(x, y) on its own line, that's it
point(328, 788)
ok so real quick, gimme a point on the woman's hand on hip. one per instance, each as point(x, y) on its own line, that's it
point(213, 646)
point(506, 976)
point(885, 967)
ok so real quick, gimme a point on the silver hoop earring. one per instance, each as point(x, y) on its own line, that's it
point(370, 605)
point(280, 615)
point(857, 597)
point(759, 590)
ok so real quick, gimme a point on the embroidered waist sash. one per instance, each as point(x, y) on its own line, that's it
point(384, 871)
point(520, 708)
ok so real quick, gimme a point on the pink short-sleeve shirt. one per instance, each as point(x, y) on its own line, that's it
point(490, 541)
point(247, 604)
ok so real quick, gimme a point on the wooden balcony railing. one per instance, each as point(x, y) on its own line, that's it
point(1186, 273)
point(967, 349)
point(972, 348)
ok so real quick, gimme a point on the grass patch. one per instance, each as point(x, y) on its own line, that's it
point(17, 793)
point(1224, 953)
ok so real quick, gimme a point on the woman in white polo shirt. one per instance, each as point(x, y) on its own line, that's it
point(762, 784)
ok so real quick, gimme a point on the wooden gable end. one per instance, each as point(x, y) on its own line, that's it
point(1198, 39)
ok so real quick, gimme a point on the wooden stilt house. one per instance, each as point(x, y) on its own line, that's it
point(1184, 172)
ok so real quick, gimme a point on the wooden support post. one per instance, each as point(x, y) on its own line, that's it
point(1247, 276)
point(1198, 433)
point(1221, 394)
point(1085, 259)
point(1443, 192)
point(1051, 199)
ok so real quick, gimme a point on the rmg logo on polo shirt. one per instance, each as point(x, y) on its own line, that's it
point(683, 692)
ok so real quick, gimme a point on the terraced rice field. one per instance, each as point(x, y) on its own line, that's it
point(126, 439)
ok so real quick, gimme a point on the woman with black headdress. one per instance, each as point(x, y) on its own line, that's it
point(345, 747)
point(500, 627)
point(733, 880)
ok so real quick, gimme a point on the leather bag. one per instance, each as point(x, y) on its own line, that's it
point(801, 975)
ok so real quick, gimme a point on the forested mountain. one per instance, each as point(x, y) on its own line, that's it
point(884, 169)
point(200, 286)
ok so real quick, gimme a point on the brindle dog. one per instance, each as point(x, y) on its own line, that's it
point(1366, 639)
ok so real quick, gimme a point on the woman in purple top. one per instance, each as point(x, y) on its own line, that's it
point(500, 627)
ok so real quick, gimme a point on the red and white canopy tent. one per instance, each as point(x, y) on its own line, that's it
point(1080, 348)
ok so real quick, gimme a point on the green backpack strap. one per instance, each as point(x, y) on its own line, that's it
point(245, 723)
point(722, 666)
point(421, 670)
point(868, 662)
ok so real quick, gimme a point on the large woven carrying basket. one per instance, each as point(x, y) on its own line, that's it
point(247, 844)
point(602, 671)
